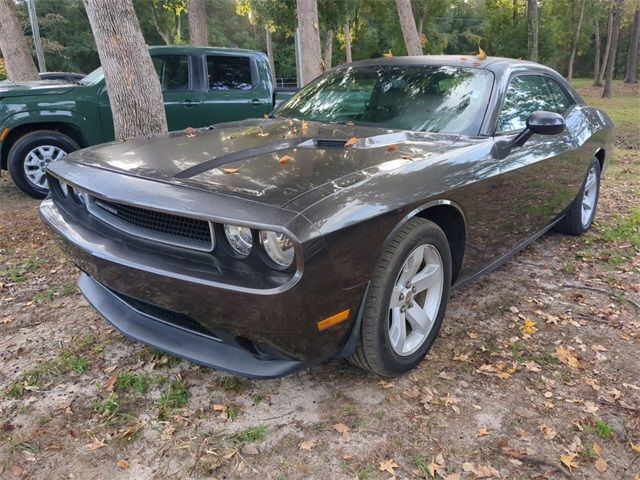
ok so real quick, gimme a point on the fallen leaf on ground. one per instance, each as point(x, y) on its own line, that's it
point(472, 335)
point(111, 383)
point(308, 445)
point(344, 431)
point(482, 432)
point(597, 449)
point(598, 348)
point(437, 466)
point(548, 432)
point(567, 357)
point(567, 460)
point(452, 476)
point(529, 327)
point(284, 159)
point(388, 466)
point(634, 447)
point(122, 464)
point(601, 465)
point(385, 385)
point(16, 470)
point(96, 444)
point(352, 141)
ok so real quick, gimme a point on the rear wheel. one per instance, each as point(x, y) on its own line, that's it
point(583, 209)
point(31, 154)
point(406, 300)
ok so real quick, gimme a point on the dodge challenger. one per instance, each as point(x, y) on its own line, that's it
point(337, 226)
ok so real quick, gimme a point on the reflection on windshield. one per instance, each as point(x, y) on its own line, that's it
point(420, 98)
point(93, 77)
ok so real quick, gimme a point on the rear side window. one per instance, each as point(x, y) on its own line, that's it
point(527, 94)
point(229, 73)
point(173, 72)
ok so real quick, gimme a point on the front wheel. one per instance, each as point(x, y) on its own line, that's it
point(31, 154)
point(406, 300)
point(582, 211)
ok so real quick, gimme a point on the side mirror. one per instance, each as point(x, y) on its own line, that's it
point(542, 123)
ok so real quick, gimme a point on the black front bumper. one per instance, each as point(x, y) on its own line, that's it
point(255, 333)
point(183, 343)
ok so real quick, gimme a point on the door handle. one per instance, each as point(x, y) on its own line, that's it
point(189, 103)
point(256, 102)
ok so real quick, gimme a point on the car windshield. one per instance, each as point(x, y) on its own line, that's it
point(92, 78)
point(420, 98)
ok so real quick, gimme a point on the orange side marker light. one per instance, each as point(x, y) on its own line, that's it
point(333, 320)
point(4, 134)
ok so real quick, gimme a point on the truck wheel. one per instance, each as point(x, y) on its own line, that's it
point(30, 155)
point(406, 300)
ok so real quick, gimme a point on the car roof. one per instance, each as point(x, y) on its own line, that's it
point(187, 49)
point(497, 65)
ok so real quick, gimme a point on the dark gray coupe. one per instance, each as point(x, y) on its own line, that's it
point(338, 226)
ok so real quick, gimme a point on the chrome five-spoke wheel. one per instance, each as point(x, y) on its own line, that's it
point(590, 196)
point(415, 300)
point(36, 162)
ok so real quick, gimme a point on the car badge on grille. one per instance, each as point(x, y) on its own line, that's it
point(108, 208)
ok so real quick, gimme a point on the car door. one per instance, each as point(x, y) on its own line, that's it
point(537, 180)
point(234, 89)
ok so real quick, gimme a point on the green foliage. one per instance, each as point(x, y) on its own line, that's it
point(126, 382)
point(603, 429)
point(175, 397)
point(251, 434)
point(3, 71)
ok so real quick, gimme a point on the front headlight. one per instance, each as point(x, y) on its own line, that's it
point(240, 239)
point(64, 189)
point(278, 247)
point(79, 196)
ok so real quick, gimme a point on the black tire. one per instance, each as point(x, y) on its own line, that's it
point(572, 223)
point(374, 351)
point(24, 145)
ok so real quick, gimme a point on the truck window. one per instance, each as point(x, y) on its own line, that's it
point(173, 71)
point(229, 73)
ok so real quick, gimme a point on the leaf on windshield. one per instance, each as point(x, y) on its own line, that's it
point(352, 141)
point(231, 170)
point(284, 159)
point(190, 132)
point(481, 54)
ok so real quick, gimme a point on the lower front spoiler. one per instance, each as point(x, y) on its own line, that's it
point(182, 343)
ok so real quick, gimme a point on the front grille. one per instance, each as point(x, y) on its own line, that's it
point(159, 226)
point(176, 319)
point(330, 143)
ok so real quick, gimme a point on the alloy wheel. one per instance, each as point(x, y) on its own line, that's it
point(36, 162)
point(590, 196)
point(415, 299)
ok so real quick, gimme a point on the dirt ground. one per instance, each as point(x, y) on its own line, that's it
point(536, 374)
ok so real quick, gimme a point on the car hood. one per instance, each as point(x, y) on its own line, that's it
point(38, 87)
point(273, 161)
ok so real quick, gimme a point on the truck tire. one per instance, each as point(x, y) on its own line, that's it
point(29, 156)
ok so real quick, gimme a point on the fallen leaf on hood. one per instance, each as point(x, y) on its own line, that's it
point(284, 159)
point(96, 444)
point(567, 460)
point(601, 465)
point(392, 148)
point(122, 464)
point(308, 445)
point(388, 466)
point(352, 141)
point(230, 170)
point(190, 132)
point(481, 55)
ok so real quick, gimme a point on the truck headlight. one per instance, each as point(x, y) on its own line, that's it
point(278, 247)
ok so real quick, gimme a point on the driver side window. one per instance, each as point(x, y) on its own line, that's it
point(525, 95)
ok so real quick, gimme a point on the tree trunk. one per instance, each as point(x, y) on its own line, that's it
point(17, 57)
point(409, 30)
point(607, 46)
point(198, 32)
point(596, 62)
point(328, 51)
point(347, 42)
point(134, 89)
point(309, 40)
point(272, 64)
point(632, 56)
point(574, 43)
point(611, 60)
point(532, 29)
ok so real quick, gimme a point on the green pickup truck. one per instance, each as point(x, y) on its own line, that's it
point(42, 121)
